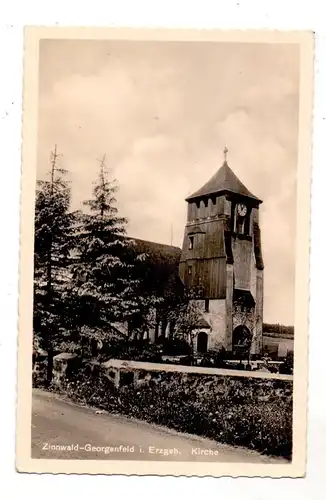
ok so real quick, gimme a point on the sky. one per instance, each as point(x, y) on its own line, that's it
point(162, 113)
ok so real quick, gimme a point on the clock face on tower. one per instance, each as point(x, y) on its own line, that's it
point(242, 209)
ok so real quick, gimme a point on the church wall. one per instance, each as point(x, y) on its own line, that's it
point(212, 208)
point(192, 211)
point(254, 216)
point(207, 275)
point(229, 307)
point(216, 282)
point(220, 205)
point(228, 207)
point(258, 332)
point(253, 275)
point(242, 251)
point(207, 244)
point(216, 320)
point(202, 210)
point(254, 219)
point(252, 318)
point(243, 316)
point(204, 265)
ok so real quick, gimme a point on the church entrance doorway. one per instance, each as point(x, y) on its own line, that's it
point(241, 341)
point(202, 341)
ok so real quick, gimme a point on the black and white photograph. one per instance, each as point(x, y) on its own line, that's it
point(163, 308)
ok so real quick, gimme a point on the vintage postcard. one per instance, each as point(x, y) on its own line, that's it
point(164, 272)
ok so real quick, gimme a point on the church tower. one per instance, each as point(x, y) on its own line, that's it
point(221, 262)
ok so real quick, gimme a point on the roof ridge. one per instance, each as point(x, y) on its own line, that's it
point(153, 243)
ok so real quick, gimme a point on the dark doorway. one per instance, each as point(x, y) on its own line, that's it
point(202, 340)
point(241, 341)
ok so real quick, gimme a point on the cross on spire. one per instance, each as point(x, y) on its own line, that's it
point(225, 151)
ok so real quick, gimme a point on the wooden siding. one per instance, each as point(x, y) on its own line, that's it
point(258, 247)
point(210, 206)
point(206, 256)
point(242, 250)
point(208, 275)
point(209, 244)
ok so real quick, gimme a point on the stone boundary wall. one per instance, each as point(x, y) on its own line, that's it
point(115, 367)
point(251, 409)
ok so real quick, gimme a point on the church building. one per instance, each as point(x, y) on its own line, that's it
point(221, 262)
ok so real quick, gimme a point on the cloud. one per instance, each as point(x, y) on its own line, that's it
point(162, 112)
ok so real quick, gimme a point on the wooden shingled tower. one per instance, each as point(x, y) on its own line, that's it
point(222, 263)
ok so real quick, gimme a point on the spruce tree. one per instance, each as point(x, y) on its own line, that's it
point(52, 245)
point(105, 285)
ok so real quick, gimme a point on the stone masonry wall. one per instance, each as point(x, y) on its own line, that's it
point(251, 410)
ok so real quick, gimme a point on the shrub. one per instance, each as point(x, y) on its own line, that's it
point(255, 413)
point(89, 386)
point(140, 350)
point(239, 414)
point(287, 366)
point(39, 374)
point(174, 346)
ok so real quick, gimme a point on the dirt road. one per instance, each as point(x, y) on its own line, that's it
point(61, 429)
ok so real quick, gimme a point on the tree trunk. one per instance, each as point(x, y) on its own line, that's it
point(49, 371)
point(129, 329)
point(248, 358)
point(48, 333)
point(156, 329)
point(192, 346)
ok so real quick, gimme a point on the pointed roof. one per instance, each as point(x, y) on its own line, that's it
point(223, 181)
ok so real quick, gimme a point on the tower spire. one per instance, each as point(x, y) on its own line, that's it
point(225, 151)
